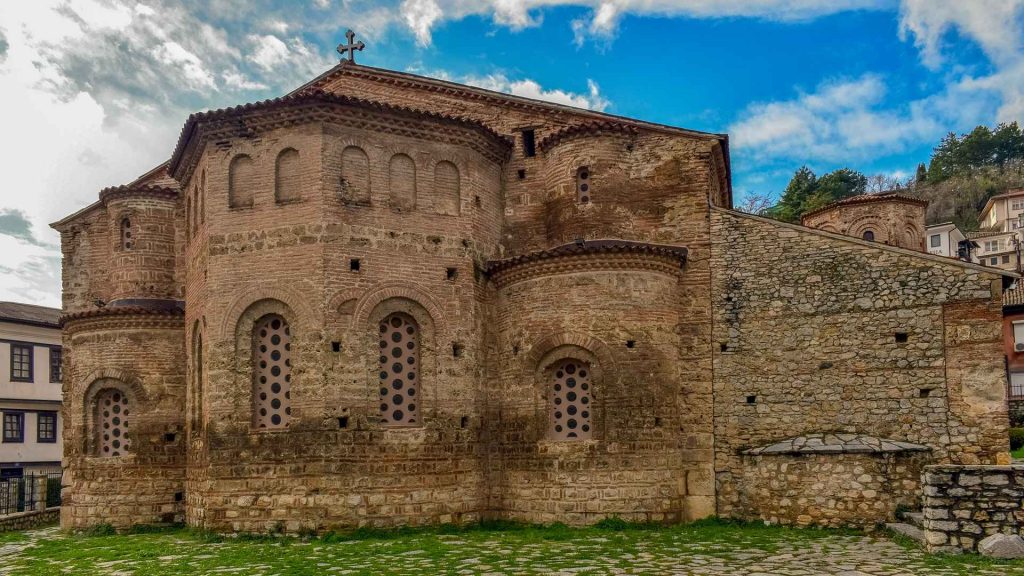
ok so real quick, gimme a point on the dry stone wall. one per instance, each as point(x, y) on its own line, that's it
point(818, 333)
point(964, 504)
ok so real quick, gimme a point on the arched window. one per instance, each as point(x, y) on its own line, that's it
point(583, 184)
point(399, 370)
point(241, 182)
point(355, 176)
point(272, 372)
point(570, 406)
point(869, 235)
point(402, 182)
point(446, 188)
point(286, 180)
point(111, 418)
point(197, 415)
point(195, 210)
point(188, 216)
point(126, 234)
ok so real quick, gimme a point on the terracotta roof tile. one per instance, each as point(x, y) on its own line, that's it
point(29, 314)
point(590, 247)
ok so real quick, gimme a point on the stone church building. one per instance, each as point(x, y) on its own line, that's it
point(385, 299)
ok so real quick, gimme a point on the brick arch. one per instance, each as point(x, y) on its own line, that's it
point(390, 291)
point(303, 316)
point(342, 297)
point(541, 351)
point(857, 228)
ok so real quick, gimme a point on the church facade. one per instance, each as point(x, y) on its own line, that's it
point(386, 300)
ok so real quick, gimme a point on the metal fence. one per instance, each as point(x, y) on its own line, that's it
point(30, 492)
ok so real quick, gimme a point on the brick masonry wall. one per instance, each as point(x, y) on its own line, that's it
point(830, 489)
point(964, 504)
point(141, 356)
point(816, 333)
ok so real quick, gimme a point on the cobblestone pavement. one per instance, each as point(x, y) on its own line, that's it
point(493, 553)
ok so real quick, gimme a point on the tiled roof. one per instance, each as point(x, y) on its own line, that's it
point(865, 198)
point(1015, 296)
point(29, 314)
point(315, 96)
point(837, 444)
point(986, 234)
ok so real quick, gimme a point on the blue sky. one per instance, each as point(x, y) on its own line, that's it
point(95, 91)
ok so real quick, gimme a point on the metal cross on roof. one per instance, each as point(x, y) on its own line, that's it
point(351, 47)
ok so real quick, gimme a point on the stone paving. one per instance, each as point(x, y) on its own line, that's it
point(49, 551)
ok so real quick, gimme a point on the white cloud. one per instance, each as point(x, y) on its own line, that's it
point(849, 120)
point(421, 16)
point(270, 51)
point(528, 88)
point(187, 64)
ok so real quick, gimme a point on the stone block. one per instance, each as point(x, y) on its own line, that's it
point(1002, 546)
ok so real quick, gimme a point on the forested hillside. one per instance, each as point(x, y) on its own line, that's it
point(964, 171)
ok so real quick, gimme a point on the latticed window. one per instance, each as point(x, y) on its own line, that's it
point(126, 234)
point(14, 427)
point(272, 373)
point(112, 413)
point(570, 405)
point(583, 184)
point(399, 370)
point(21, 362)
point(46, 427)
point(56, 356)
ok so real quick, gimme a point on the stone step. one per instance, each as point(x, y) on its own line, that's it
point(913, 518)
point(912, 532)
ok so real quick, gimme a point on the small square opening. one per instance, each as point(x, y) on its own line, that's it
point(924, 392)
point(477, 201)
point(521, 174)
point(464, 422)
point(529, 143)
point(630, 343)
point(170, 437)
point(342, 421)
point(657, 421)
point(354, 264)
point(723, 346)
point(451, 273)
point(901, 337)
point(751, 399)
point(179, 496)
point(335, 346)
point(456, 350)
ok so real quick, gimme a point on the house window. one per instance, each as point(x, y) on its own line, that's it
point(21, 362)
point(935, 240)
point(1018, 337)
point(583, 184)
point(112, 413)
point(126, 234)
point(399, 370)
point(14, 427)
point(1006, 258)
point(272, 373)
point(56, 356)
point(992, 246)
point(46, 427)
point(993, 260)
point(570, 401)
point(1017, 204)
point(869, 235)
point(1016, 385)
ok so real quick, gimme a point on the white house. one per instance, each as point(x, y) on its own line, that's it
point(943, 239)
point(30, 389)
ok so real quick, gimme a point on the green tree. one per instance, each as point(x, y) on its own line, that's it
point(800, 188)
point(922, 173)
point(807, 192)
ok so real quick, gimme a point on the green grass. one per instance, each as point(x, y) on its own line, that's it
point(711, 547)
point(1018, 453)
